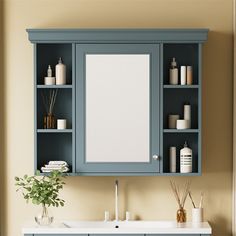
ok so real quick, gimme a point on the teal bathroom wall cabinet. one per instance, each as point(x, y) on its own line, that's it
point(117, 99)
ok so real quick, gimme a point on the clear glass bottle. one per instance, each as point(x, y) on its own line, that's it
point(44, 217)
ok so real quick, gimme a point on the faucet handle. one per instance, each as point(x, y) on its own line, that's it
point(155, 157)
point(106, 216)
point(127, 215)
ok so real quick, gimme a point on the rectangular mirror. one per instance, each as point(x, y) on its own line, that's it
point(117, 108)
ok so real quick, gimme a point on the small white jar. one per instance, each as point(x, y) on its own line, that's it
point(197, 215)
point(61, 124)
point(49, 80)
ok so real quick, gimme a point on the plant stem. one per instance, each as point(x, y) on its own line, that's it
point(45, 211)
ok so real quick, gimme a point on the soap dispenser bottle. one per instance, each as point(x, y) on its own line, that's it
point(60, 73)
point(49, 71)
point(173, 79)
point(186, 159)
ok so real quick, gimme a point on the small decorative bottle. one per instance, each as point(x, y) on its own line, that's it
point(49, 80)
point(186, 156)
point(173, 73)
point(60, 73)
point(49, 72)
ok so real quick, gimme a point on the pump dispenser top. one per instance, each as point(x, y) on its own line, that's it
point(173, 63)
point(60, 61)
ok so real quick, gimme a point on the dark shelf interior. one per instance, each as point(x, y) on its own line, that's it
point(174, 101)
point(54, 147)
point(48, 54)
point(177, 140)
point(62, 109)
point(185, 55)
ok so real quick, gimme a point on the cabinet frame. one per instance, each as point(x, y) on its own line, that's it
point(125, 36)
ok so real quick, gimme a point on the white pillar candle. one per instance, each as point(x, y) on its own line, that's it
point(61, 124)
point(187, 114)
point(182, 124)
point(183, 75)
point(189, 75)
point(172, 121)
point(172, 156)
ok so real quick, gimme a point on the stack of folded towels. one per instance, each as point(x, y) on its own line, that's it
point(55, 165)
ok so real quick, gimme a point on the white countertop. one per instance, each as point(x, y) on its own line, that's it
point(131, 227)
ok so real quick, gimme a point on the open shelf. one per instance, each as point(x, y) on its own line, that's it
point(185, 55)
point(54, 147)
point(177, 140)
point(174, 101)
point(62, 109)
point(48, 54)
point(174, 98)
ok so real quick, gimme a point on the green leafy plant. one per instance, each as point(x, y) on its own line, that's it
point(42, 190)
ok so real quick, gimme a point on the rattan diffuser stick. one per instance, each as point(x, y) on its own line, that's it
point(180, 199)
point(49, 102)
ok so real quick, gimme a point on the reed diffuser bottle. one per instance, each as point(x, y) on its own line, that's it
point(49, 120)
point(181, 215)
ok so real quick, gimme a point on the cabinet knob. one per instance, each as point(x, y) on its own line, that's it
point(155, 157)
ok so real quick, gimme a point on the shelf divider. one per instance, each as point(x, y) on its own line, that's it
point(54, 130)
point(42, 86)
point(181, 130)
point(169, 86)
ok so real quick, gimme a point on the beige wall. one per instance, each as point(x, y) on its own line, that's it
point(1, 118)
point(146, 197)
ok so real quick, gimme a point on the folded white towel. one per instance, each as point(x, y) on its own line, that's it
point(49, 169)
point(58, 163)
point(55, 166)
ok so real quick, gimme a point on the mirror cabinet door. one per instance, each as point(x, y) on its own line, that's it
point(117, 108)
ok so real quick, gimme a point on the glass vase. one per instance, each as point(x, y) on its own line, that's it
point(181, 215)
point(49, 121)
point(44, 217)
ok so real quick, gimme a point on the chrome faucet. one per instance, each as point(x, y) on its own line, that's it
point(116, 201)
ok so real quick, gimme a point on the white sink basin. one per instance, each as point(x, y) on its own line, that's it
point(120, 224)
point(119, 228)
